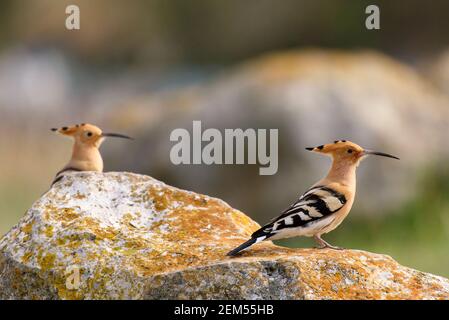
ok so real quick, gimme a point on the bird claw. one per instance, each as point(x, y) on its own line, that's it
point(324, 245)
point(329, 247)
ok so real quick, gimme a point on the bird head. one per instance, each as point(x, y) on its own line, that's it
point(87, 134)
point(347, 151)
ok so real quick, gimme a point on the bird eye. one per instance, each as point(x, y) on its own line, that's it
point(89, 134)
point(349, 150)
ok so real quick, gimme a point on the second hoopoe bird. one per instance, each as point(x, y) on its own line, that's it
point(325, 205)
point(86, 154)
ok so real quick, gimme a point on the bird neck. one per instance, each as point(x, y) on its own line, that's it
point(87, 156)
point(343, 173)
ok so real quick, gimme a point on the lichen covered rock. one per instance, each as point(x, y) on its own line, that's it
point(130, 236)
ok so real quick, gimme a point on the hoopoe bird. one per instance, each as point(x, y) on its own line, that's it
point(325, 205)
point(86, 154)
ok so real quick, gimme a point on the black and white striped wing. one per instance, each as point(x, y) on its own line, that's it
point(317, 203)
point(59, 175)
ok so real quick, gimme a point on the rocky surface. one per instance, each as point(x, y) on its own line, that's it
point(133, 237)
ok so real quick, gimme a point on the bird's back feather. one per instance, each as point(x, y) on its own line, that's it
point(59, 175)
point(314, 208)
point(314, 205)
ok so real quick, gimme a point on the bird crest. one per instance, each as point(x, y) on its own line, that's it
point(344, 149)
point(86, 133)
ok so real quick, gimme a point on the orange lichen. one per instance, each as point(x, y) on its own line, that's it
point(27, 228)
point(46, 260)
point(49, 231)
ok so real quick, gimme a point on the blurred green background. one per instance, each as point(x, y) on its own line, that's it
point(308, 68)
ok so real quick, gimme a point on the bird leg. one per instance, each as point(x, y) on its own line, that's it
point(323, 244)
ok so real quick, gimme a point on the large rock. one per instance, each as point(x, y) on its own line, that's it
point(133, 237)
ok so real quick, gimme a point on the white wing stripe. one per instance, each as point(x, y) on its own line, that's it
point(300, 204)
point(288, 220)
point(333, 203)
point(310, 191)
point(313, 212)
point(321, 193)
point(303, 216)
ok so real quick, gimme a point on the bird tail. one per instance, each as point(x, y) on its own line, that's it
point(243, 246)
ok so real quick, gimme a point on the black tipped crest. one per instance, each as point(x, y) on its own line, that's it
point(313, 148)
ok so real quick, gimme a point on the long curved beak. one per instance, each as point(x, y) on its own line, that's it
point(116, 135)
point(368, 152)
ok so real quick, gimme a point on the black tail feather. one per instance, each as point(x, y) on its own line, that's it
point(244, 245)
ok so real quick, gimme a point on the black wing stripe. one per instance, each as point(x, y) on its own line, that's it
point(58, 175)
point(336, 194)
point(315, 204)
point(310, 190)
point(67, 169)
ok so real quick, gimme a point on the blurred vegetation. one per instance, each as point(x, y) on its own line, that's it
point(416, 234)
point(216, 31)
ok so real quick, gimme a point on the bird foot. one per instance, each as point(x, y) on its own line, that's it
point(323, 244)
point(328, 246)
